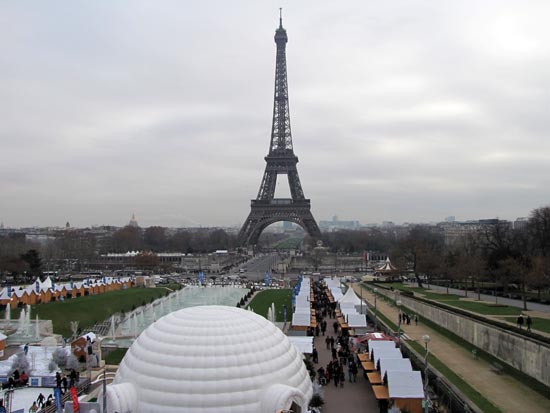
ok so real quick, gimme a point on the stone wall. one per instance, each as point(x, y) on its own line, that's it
point(523, 353)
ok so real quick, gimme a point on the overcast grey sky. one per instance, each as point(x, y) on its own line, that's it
point(400, 110)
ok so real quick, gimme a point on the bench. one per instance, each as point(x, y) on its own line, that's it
point(496, 367)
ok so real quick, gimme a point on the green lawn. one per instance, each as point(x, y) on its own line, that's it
point(115, 356)
point(262, 301)
point(455, 301)
point(91, 309)
point(440, 296)
point(290, 243)
point(540, 324)
point(484, 308)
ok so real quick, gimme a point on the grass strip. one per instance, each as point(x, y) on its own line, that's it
point(115, 356)
point(91, 309)
point(507, 369)
point(262, 301)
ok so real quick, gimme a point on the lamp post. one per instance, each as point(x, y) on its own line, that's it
point(426, 340)
point(398, 302)
point(375, 320)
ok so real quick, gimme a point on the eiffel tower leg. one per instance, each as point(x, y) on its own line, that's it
point(261, 216)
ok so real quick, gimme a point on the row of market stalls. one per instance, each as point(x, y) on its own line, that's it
point(350, 312)
point(350, 308)
point(47, 290)
point(303, 316)
point(391, 376)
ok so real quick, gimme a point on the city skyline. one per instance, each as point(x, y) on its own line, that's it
point(405, 112)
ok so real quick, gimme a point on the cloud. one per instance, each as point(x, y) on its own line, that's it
point(403, 111)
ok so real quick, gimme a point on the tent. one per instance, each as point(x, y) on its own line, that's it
point(386, 353)
point(356, 320)
point(350, 299)
point(303, 344)
point(406, 390)
point(377, 344)
point(394, 365)
point(301, 319)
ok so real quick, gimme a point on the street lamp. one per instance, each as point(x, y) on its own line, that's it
point(426, 340)
point(375, 321)
point(398, 302)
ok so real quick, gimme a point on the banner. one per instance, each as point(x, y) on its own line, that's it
point(267, 279)
point(74, 395)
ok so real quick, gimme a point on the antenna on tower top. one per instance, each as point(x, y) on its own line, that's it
point(280, 17)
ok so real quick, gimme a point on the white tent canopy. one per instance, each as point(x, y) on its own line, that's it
point(356, 320)
point(301, 319)
point(386, 353)
point(394, 365)
point(303, 344)
point(405, 385)
point(350, 298)
point(376, 344)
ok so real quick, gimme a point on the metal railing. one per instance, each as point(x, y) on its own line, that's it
point(81, 387)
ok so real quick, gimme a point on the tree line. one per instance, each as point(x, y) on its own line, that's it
point(497, 255)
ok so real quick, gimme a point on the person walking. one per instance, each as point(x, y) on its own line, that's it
point(416, 319)
point(315, 355)
point(350, 371)
point(529, 322)
point(355, 370)
point(40, 400)
point(520, 321)
point(33, 408)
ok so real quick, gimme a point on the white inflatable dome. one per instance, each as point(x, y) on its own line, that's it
point(210, 359)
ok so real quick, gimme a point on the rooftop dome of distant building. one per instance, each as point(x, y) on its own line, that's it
point(133, 221)
point(211, 359)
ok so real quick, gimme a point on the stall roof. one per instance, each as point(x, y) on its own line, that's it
point(394, 365)
point(301, 319)
point(405, 385)
point(356, 320)
point(303, 344)
point(386, 353)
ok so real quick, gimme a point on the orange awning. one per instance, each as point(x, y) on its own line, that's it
point(374, 378)
point(381, 392)
point(368, 366)
point(363, 357)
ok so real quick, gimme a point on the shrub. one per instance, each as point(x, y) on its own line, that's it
point(316, 401)
point(59, 357)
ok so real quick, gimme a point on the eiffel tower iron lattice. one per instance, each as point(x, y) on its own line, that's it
point(266, 209)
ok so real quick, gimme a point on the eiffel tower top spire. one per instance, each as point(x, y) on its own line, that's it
point(281, 137)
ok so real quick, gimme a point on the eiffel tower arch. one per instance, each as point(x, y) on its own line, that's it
point(281, 160)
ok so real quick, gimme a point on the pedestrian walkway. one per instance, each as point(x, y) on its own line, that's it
point(542, 308)
point(355, 397)
point(505, 392)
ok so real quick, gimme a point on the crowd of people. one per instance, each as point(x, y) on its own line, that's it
point(339, 343)
point(16, 379)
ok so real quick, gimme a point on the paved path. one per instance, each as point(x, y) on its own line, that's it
point(502, 390)
point(543, 308)
point(353, 397)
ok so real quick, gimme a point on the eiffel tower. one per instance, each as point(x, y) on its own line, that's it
point(266, 209)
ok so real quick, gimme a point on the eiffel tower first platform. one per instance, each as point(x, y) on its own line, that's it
point(266, 209)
